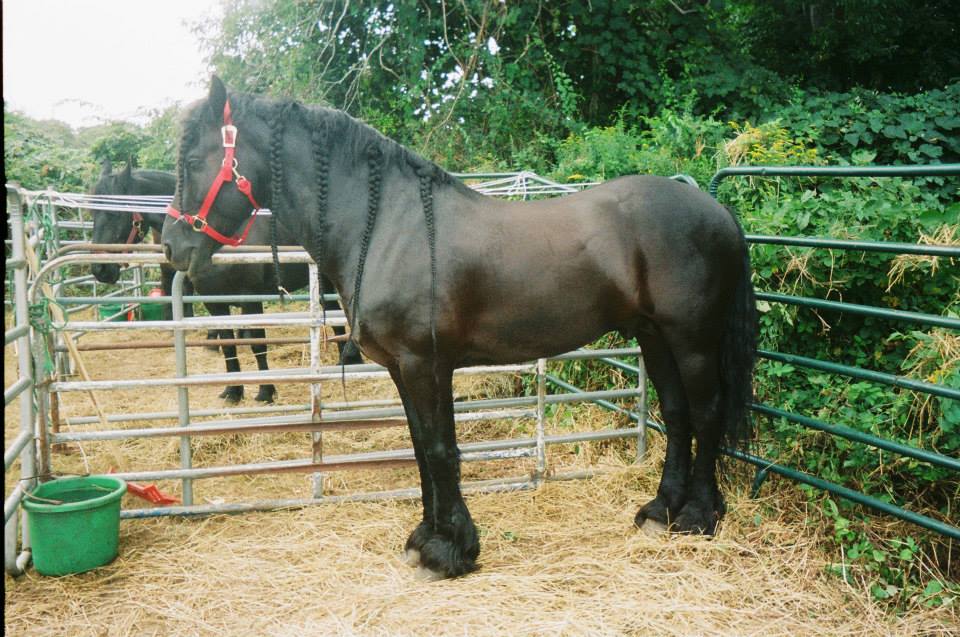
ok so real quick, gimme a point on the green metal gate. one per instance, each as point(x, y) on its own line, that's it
point(765, 467)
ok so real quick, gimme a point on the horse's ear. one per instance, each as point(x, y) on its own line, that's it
point(126, 176)
point(217, 98)
point(106, 167)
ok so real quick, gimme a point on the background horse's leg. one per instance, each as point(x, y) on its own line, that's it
point(188, 307)
point(671, 494)
point(233, 393)
point(453, 546)
point(426, 528)
point(166, 284)
point(267, 392)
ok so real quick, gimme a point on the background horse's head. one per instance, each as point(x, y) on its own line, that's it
point(111, 226)
point(200, 161)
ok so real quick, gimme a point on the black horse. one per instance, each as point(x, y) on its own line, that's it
point(435, 276)
point(123, 227)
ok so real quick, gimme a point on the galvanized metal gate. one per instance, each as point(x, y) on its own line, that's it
point(318, 416)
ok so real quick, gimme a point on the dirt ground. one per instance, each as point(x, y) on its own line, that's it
point(564, 559)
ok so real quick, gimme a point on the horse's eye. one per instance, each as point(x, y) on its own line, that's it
point(193, 163)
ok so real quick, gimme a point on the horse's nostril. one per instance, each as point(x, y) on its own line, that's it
point(166, 251)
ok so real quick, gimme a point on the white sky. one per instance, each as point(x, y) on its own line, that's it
point(86, 61)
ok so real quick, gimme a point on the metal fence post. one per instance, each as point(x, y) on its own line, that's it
point(641, 408)
point(183, 394)
point(541, 419)
point(14, 563)
point(315, 388)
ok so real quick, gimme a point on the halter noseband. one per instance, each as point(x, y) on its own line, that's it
point(228, 170)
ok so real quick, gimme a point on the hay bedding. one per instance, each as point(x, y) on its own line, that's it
point(562, 560)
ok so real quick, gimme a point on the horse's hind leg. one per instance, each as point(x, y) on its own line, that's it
point(446, 542)
point(233, 393)
point(699, 363)
point(672, 492)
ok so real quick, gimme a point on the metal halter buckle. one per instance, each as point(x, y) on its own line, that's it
point(198, 224)
point(229, 133)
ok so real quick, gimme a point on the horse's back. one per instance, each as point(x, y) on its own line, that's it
point(569, 269)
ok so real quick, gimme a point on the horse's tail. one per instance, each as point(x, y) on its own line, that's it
point(738, 351)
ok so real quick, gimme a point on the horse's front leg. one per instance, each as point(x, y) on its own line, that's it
point(426, 528)
point(445, 543)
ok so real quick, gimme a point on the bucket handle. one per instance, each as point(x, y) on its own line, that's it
point(29, 494)
point(39, 499)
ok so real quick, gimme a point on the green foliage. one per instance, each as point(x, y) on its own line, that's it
point(892, 565)
point(116, 141)
point(885, 128)
point(40, 154)
point(900, 45)
point(599, 153)
point(160, 137)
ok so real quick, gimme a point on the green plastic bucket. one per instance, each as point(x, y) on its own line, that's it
point(74, 523)
point(151, 311)
point(110, 309)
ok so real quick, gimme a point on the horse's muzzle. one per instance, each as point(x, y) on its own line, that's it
point(180, 259)
point(106, 272)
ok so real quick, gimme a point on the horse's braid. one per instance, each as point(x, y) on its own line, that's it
point(276, 189)
point(375, 172)
point(426, 197)
point(181, 166)
point(321, 167)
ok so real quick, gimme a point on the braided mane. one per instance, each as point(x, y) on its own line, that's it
point(348, 138)
point(334, 132)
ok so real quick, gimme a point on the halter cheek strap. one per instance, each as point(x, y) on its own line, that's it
point(136, 230)
point(228, 170)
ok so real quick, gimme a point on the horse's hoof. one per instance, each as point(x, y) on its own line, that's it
point(440, 555)
point(411, 557)
point(444, 558)
point(652, 527)
point(696, 520)
point(231, 395)
point(266, 396)
point(653, 511)
point(424, 574)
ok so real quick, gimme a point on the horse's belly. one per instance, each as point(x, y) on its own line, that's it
point(518, 332)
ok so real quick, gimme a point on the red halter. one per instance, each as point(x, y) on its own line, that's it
point(136, 230)
point(227, 172)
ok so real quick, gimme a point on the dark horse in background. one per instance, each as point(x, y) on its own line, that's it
point(120, 227)
point(435, 276)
